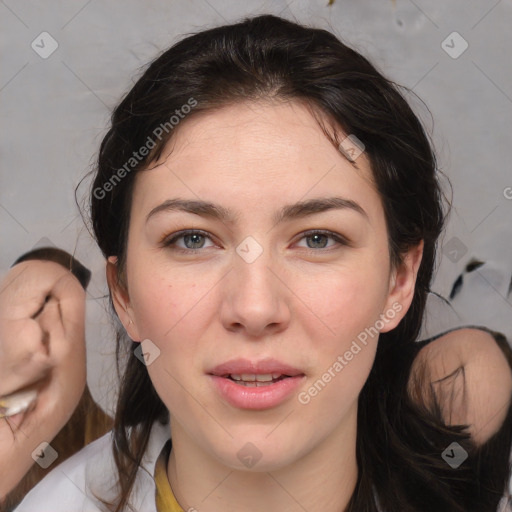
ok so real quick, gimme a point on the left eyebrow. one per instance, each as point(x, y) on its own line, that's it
point(313, 206)
point(286, 213)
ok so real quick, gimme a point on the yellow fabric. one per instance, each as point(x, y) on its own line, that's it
point(165, 500)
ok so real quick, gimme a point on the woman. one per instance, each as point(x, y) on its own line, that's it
point(269, 207)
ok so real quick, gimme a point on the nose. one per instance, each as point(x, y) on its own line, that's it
point(256, 300)
point(25, 354)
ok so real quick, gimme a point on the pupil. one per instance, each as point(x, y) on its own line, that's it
point(195, 236)
point(316, 238)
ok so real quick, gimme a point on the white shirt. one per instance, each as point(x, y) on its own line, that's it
point(69, 487)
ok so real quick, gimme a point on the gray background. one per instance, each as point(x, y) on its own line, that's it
point(55, 110)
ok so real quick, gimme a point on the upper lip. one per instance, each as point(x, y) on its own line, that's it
point(263, 367)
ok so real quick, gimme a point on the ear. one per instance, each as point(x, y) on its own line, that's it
point(121, 299)
point(402, 284)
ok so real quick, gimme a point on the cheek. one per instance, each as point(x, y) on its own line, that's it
point(66, 390)
point(349, 304)
point(72, 355)
point(343, 304)
point(158, 304)
point(173, 312)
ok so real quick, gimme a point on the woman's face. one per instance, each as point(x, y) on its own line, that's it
point(253, 293)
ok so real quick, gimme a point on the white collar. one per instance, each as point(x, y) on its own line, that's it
point(91, 472)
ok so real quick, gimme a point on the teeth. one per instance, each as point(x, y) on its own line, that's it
point(253, 384)
point(16, 403)
point(248, 377)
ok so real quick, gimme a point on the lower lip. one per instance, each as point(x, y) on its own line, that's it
point(16, 419)
point(256, 397)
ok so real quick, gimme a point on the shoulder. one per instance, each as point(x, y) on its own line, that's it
point(77, 484)
point(64, 488)
point(468, 372)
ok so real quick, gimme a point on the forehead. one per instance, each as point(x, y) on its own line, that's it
point(275, 150)
point(285, 129)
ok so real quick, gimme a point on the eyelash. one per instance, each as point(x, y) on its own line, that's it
point(169, 241)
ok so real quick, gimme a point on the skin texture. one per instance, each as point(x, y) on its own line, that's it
point(51, 347)
point(301, 305)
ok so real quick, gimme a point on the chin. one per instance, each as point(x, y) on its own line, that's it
point(257, 453)
point(260, 463)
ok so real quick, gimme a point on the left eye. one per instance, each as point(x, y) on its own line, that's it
point(194, 240)
point(319, 237)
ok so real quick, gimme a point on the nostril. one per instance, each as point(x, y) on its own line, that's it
point(40, 310)
point(45, 341)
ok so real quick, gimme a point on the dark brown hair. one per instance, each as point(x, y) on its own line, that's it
point(399, 445)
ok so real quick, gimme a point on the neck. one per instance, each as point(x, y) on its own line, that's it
point(322, 480)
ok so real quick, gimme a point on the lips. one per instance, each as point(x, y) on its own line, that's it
point(248, 384)
point(17, 403)
point(16, 406)
point(241, 367)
